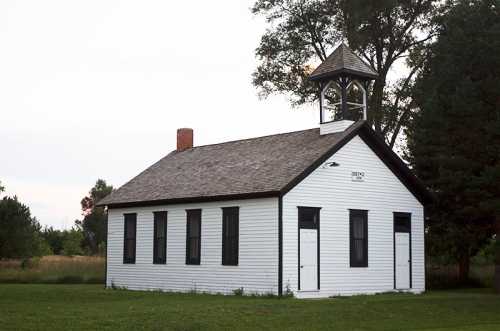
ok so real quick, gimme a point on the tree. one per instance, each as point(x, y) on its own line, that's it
point(303, 32)
point(54, 238)
point(93, 224)
point(2, 188)
point(72, 242)
point(454, 140)
point(19, 232)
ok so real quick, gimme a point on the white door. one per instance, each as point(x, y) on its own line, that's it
point(402, 260)
point(308, 259)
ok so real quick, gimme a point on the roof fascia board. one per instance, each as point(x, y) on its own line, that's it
point(256, 195)
point(327, 75)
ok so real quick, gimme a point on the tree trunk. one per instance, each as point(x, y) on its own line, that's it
point(497, 259)
point(375, 110)
point(463, 267)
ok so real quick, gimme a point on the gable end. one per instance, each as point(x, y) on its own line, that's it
point(383, 152)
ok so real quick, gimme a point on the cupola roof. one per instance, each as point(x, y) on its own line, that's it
point(343, 61)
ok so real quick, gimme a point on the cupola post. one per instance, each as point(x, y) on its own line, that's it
point(343, 79)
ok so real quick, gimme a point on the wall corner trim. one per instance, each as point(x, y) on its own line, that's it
point(280, 245)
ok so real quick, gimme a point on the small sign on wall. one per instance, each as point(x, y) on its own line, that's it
point(358, 176)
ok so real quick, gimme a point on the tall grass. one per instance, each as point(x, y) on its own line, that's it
point(54, 269)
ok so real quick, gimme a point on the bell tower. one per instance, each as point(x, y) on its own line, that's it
point(343, 79)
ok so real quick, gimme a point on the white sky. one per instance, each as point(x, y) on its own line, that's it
point(97, 89)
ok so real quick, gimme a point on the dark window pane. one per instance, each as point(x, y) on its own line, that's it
point(130, 222)
point(358, 220)
point(193, 248)
point(160, 251)
point(130, 248)
point(160, 237)
point(230, 235)
point(358, 228)
point(193, 236)
point(358, 250)
point(194, 228)
point(160, 228)
point(402, 222)
point(130, 227)
point(308, 217)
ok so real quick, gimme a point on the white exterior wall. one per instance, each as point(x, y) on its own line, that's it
point(258, 250)
point(332, 189)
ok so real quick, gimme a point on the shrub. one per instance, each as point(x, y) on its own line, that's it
point(238, 291)
point(288, 291)
point(30, 263)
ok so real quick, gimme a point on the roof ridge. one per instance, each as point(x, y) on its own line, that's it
point(343, 60)
point(341, 49)
point(207, 145)
point(252, 138)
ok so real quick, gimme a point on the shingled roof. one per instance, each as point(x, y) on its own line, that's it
point(343, 60)
point(258, 167)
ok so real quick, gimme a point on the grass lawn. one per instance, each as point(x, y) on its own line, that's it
point(90, 307)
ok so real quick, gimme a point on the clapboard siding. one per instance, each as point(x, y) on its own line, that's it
point(258, 250)
point(332, 189)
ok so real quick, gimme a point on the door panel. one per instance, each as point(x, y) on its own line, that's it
point(308, 259)
point(402, 241)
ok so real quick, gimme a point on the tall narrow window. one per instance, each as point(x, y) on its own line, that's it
point(160, 237)
point(230, 235)
point(130, 226)
point(358, 220)
point(193, 236)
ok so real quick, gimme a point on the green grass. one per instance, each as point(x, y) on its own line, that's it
point(90, 307)
point(54, 269)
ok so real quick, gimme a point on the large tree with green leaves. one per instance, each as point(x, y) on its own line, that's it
point(93, 224)
point(19, 231)
point(454, 140)
point(302, 33)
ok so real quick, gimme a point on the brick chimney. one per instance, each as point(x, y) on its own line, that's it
point(184, 139)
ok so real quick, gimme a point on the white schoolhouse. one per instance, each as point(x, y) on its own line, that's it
point(320, 212)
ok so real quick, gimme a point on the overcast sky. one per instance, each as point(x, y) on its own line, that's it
point(97, 89)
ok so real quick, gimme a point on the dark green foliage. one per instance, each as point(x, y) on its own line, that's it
point(72, 242)
point(238, 291)
point(2, 188)
point(64, 242)
point(454, 141)
point(90, 307)
point(301, 34)
point(486, 255)
point(54, 238)
point(19, 232)
point(93, 224)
